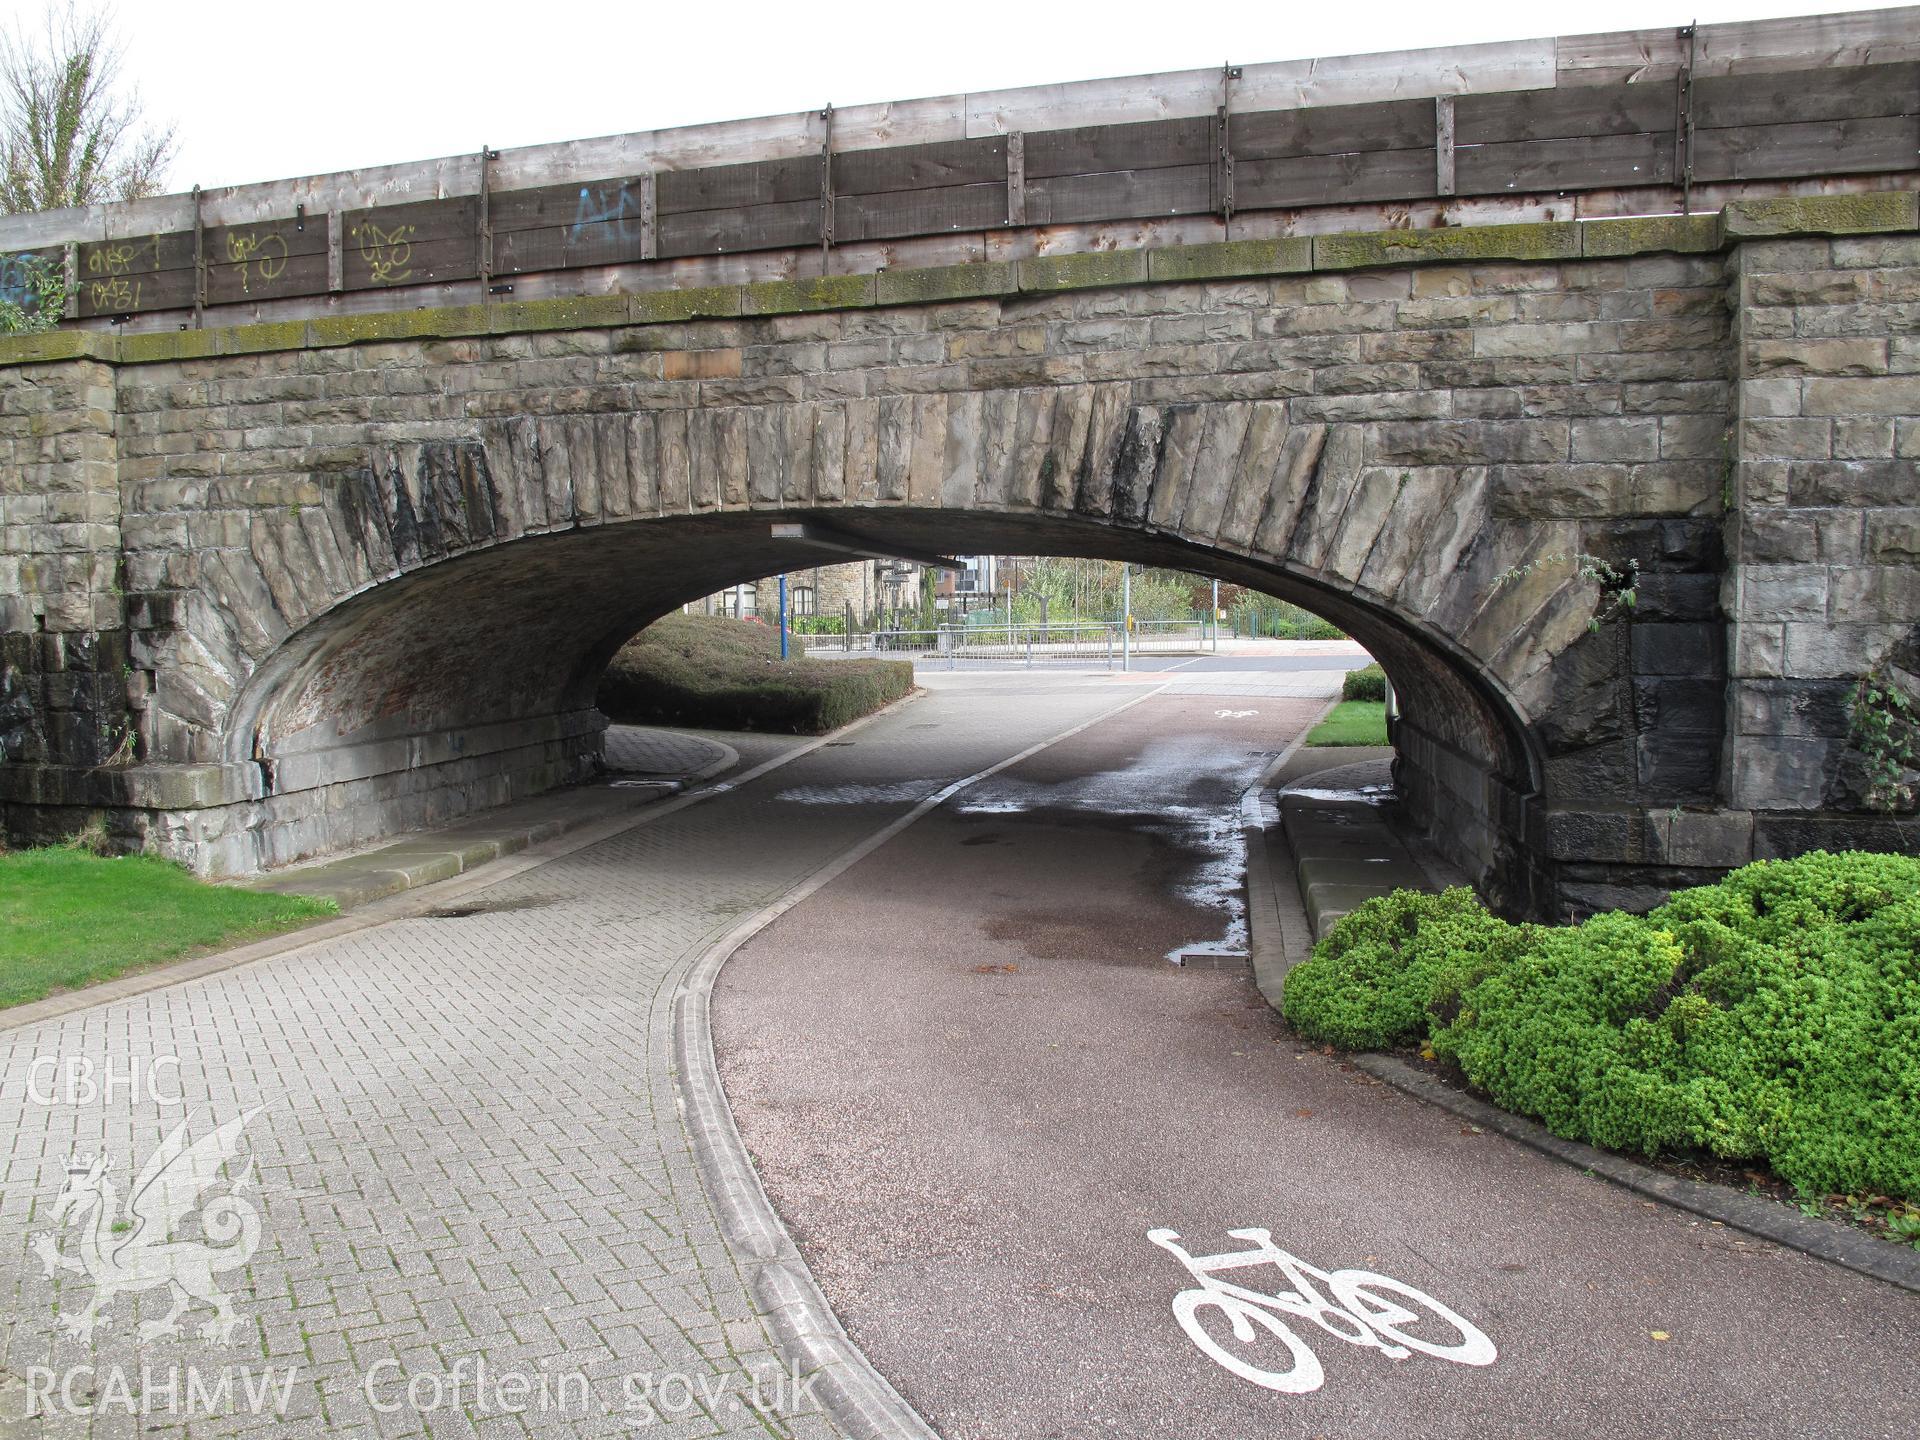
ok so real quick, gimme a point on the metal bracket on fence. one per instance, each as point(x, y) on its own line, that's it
point(1683, 120)
point(483, 236)
point(1223, 158)
point(826, 188)
point(199, 263)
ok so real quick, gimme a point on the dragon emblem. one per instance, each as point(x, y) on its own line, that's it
point(139, 1251)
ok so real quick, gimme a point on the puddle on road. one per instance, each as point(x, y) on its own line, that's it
point(1211, 834)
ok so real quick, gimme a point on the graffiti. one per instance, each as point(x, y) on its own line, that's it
point(254, 253)
point(388, 253)
point(594, 208)
point(118, 257)
point(115, 295)
point(20, 281)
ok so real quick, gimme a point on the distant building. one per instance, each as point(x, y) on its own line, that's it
point(870, 587)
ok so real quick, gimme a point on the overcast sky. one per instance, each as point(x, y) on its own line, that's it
point(263, 90)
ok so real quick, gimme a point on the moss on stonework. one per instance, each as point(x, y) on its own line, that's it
point(1824, 214)
point(1083, 271)
point(661, 307)
point(944, 282)
point(1644, 234)
point(831, 292)
point(1230, 258)
point(169, 345)
point(254, 339)
point(1545, 240)
point(331, 330)
point(51, 345)
point(571, 312)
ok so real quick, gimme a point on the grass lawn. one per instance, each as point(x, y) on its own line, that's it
point(1353, 722)
point(714, 673)
point(69, 918)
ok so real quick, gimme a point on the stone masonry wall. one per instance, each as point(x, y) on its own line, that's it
point(345, 547)
point(1824, 582)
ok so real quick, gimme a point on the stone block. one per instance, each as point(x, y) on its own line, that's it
point(1639, 234)
point(947, 282)
point(1861, 355)
point(1466, 442)
point(1674, 649)
point(1615, 439)
point(1083, 271)
point(1822, 214)
point(1236, 257)
point(1872, 395)
point(1544, 241)
point(1783, 592)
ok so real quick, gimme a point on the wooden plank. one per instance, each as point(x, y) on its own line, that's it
point(755, 227)
point(336, 253)
point(137, 255)
point(899, 213)
point(268, 276)
point(1366, 175)
point(125, 294)
point(1120, 194)
point(735, 187)
point(417, 223)
point(1333, 129)
point(1571, 113)
point(920, 167)
point(1797, 96)
point(1580, 164)
point(1099, 149)
point(1443, 144)
point(1822, 147)
point(380, 255)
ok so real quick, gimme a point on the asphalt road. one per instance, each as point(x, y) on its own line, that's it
point(973, 1084)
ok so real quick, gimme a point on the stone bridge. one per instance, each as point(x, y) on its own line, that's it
point(268, 590)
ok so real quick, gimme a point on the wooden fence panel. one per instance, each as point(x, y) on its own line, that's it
point(1357, 176)
point(1120, 195)
point(426, 242)
point(1587, 163)
point(1820, 147)
point(1578, 112)
point(894, 214)
point(919, 167)
point(1096, 149)
point(1333, 130)
point(1797, 96)
point(756, 227)
point(740, 187)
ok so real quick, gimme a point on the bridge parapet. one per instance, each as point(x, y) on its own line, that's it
point(1631, 123)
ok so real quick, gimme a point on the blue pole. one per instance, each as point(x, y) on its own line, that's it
point(783, 617)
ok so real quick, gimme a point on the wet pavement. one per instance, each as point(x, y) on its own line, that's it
point(973, 1085)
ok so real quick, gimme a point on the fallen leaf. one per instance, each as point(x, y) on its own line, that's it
point(1304, 1114)
point(1660, 1334)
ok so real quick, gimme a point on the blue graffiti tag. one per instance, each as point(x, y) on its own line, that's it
point(21, 277)
point(594, 209)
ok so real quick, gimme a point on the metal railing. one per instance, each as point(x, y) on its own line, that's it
point(1028, 645)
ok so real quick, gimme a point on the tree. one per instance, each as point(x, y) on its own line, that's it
point(70, 132)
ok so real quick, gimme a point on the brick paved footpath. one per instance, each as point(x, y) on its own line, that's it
point(470, 1145)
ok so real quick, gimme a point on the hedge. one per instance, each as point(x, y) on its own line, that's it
point(1774, 1017)
point(720, 674)
point(1369, 682)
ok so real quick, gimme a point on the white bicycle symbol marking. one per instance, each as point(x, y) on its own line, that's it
point(1368, 1310)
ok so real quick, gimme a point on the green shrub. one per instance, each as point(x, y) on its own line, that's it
point(1382, 970)
point(1367, 683)
point(721, 674)
point(1774, 1017)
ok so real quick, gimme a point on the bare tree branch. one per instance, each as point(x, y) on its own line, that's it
point(70, 132)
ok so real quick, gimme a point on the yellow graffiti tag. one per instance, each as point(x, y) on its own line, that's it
point(115, 296)
point(252, 251)
point(117, 257)
point(388, 253)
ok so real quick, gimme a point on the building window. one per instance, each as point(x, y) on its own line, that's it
point(739, 603)
point(800, 600)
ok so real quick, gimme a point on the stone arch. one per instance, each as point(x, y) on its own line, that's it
point(426, 637)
